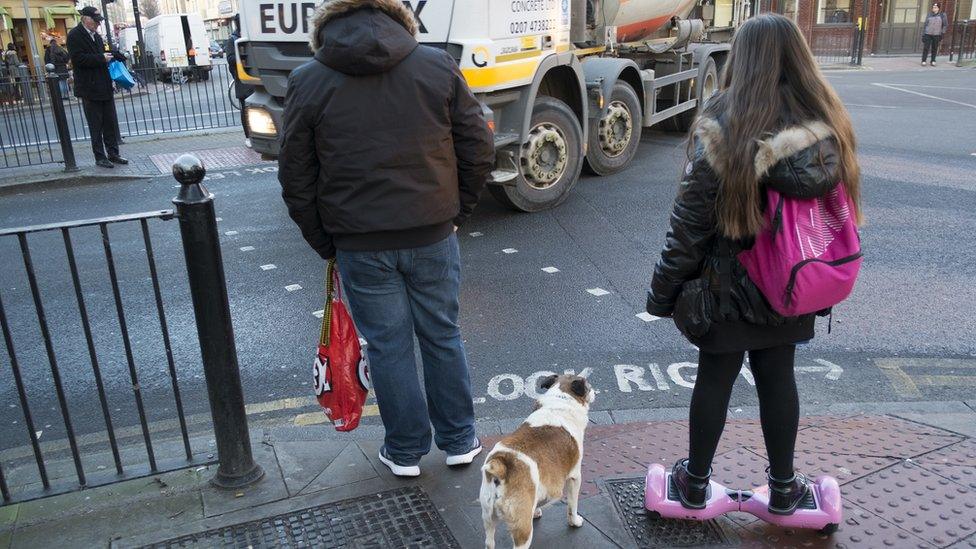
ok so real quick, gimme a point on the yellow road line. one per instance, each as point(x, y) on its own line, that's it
point(900, 381)
point(317, 418)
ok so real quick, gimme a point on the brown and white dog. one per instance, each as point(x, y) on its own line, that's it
point(538, 462)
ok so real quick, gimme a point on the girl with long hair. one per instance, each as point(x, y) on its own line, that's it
point(775, 122)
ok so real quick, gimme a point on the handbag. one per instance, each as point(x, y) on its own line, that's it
point(341, 369)
point(121, 75)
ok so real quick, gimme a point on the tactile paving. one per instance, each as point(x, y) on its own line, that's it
point(649, 532)
point(404, 517)
point(963, 453)
point(889, 441)
point(929, 506)
point(227, 157)
point(859, 530)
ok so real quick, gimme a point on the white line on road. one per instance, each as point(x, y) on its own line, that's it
point(550, 270)
point(293, 287)
point(647, 317)
point(230, 233)
point(247, 248)
point(476, 234)
point(318, 314)
point(871, 106)
point(268, 267)
point(920, 94)
point(597, 291)
point(935, 87)
point(510, 251)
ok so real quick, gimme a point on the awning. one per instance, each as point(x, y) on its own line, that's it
point(5, 22)
point(50, 12)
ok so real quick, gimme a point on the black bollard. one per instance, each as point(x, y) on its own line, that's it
point(208, 289)
point(60, 119)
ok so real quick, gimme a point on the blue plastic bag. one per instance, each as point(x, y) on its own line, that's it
point(121, 75)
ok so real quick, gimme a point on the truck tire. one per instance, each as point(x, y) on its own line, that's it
point(702, 89)
point(549, 162)
point(614, 139)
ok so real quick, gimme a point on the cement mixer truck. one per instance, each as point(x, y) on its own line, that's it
point(565, 85)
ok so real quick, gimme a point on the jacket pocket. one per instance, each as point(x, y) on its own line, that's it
point(693, 308)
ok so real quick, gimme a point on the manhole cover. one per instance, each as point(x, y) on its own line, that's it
point(628, 498)
point(404, 517)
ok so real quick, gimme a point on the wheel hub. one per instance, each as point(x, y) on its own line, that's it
point(616, 129)
point(544, 156)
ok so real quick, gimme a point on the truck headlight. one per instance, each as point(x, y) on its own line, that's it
point(260, 121)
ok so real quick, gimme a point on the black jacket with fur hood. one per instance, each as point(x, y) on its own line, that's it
point(383, 146)
point(688, 280)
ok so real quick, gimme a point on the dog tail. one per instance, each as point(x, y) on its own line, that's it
point(496, 469)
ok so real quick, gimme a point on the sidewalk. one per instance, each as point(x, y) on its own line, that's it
point(148, 156)
point(908, 479)
point(901, 63)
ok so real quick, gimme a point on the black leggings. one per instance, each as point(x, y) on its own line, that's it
point(779, 406)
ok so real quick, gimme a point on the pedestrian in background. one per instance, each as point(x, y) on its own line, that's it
point(94, 86)
point(241, 90)
point(935, 27)
point(384, 153)
point(800, 142)
point(58, 56)
point(11, 62)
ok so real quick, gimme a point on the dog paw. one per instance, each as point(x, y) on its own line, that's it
point(575, 521)
point(537, 513)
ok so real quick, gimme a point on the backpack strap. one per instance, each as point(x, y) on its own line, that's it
point(725, 278)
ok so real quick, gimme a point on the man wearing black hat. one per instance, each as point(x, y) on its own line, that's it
point(93, 86)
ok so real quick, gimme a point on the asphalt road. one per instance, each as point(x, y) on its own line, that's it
point(907, 333)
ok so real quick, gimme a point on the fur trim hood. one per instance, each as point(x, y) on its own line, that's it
point(779, 146)
point(332, 9)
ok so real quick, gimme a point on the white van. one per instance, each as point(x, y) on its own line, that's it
point(128, 38)
point(180, 46)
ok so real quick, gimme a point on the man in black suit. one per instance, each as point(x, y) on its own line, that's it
point(93, 86)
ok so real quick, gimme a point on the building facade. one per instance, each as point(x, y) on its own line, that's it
point(892, 27)
point(49, 19)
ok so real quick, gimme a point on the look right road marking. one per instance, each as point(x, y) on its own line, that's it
point(907, 385)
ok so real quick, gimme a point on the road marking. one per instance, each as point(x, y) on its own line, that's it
point(935, 87)
point(219, 219)
point(647, 317)
point(268, 267)
point(510, 251)
point(907, 385)
point(283, 404)
point(319, 313)
point(293, 287)
point(476, 234)
point(871, 106)
point(247, 248)
point(317, 418)
point(550, 270)
point(833, 371)
point(478, 400)
point(230, 233)
point(920, 94)
point(597, 291)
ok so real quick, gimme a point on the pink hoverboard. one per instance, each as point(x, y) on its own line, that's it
point(819, 510)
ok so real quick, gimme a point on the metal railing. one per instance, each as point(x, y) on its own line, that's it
point(163, 101)
point(962, 45)
point(838, 44)
point(204, 266)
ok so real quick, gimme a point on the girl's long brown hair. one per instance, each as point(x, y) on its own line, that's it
point(771, 81)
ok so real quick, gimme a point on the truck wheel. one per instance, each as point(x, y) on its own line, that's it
point(613, 141)
point(549, 161)
point(704, 88)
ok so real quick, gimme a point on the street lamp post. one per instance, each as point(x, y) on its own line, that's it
point(139, 41)
point(108, 26)
point(31, 43)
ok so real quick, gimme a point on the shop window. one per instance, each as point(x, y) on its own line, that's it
point(835, 11)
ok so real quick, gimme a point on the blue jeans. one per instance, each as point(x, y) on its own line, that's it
point(394, 294)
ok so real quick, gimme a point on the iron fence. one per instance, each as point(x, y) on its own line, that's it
point(962, 45)
point(204, 269)
point(838, 44)
point(163, 101)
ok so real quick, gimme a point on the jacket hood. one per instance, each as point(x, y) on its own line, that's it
point(361, 37)
point(798, 159)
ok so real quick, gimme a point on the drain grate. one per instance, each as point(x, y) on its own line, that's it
point(404, 517)
point(648, 532)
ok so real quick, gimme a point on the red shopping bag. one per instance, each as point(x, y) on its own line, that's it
point(341, 369)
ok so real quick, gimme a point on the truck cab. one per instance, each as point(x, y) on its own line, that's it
point(565, 85)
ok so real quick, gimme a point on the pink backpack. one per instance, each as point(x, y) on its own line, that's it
point(808, 258)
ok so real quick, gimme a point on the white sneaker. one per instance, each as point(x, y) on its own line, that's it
point(465, 459)
point(247, 140)
point(932, 64)
point(923, 63)
point(399, 470)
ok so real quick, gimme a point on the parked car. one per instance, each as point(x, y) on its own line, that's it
point(216, 50)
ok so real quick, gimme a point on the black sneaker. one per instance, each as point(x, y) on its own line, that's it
point(692, 490)
point(104, 163)
point(786, 495)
